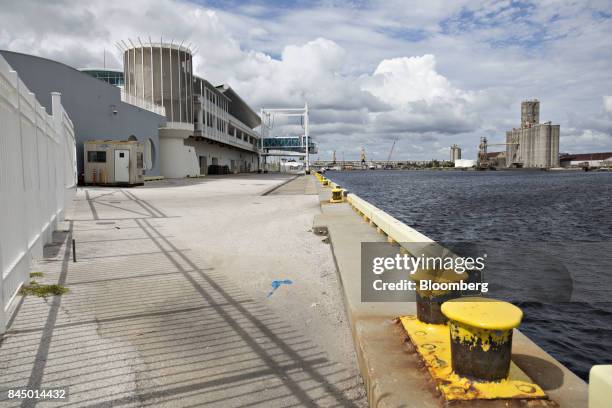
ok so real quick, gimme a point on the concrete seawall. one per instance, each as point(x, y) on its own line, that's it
point(393, 375)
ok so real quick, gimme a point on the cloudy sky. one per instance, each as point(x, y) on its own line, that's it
point(425, 73)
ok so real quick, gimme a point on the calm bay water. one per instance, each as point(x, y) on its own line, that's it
point(564, 217)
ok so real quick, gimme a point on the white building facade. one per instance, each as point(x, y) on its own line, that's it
point(209, 129)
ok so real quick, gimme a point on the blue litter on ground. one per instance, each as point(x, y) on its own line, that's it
point(277, 284)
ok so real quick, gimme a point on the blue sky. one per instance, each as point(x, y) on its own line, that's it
point(427, 73)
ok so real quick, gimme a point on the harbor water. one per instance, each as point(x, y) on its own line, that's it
point(551, 232)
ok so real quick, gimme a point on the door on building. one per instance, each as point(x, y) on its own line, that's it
point(122, 166)
point(203, 166)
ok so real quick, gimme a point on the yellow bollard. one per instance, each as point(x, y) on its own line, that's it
point(481, 336)
point(325, 182)
point(337, 196)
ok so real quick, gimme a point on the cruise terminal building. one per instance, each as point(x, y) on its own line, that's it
point(187, 126)
point(208, 128)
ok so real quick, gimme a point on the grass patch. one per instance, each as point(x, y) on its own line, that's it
point(36, 275)
point(43, 291)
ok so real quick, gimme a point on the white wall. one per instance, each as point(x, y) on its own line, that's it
point(37, 180)
point(591, 163)
point(464, 163)
point(176, 159)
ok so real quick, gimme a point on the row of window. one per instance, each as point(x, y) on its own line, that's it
point(214, 122)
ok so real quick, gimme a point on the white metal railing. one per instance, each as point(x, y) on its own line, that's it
point(37, 180)
point(213, 134)
point(250, 132)
point(142, 103)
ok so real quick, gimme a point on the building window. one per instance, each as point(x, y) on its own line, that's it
point(96, 156)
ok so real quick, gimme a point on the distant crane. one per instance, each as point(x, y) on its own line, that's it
point(388, 165)
point(483, 157)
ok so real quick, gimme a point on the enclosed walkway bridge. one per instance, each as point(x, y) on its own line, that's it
point(289, 144)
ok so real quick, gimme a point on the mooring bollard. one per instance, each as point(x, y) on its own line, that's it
point(325, 182)
point(429, 305)
point(481, 336)
point(429, 301)
point(337, 196)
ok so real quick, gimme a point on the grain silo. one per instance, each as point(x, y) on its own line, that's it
point(455, 153)
point(534, 144)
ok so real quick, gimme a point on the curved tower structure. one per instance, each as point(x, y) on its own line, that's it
point(162, 74)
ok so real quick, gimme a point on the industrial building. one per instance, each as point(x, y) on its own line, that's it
point(465, 163)
point(589, 160)
point(497, 160)
point(455, 153)
point(533, 144)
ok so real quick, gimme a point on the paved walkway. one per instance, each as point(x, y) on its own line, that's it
point(170, 303)
point(302, 185)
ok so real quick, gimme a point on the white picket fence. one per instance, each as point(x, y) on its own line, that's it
point(37, 180)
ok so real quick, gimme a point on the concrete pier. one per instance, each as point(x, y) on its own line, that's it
point(171, 302)
point(393, 374)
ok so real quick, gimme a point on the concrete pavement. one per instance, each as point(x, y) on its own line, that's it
point(169, 306)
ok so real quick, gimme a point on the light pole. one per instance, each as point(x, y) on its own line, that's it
point(306, 136)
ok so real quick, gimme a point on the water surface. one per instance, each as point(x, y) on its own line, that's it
point(563, 217)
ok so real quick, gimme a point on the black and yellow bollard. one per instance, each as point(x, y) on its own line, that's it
point(325, 182)
point(337, 196)
point(429, 300)
point(481, 336)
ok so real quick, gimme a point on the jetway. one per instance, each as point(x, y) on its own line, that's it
point(274, 146)
point(290, 144)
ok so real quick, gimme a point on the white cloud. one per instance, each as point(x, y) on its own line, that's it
point(432, 74)
point(399, 81)
point(607, 102)
point(583, 141)
point(422, 99)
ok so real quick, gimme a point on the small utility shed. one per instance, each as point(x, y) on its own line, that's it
point(113, 162)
